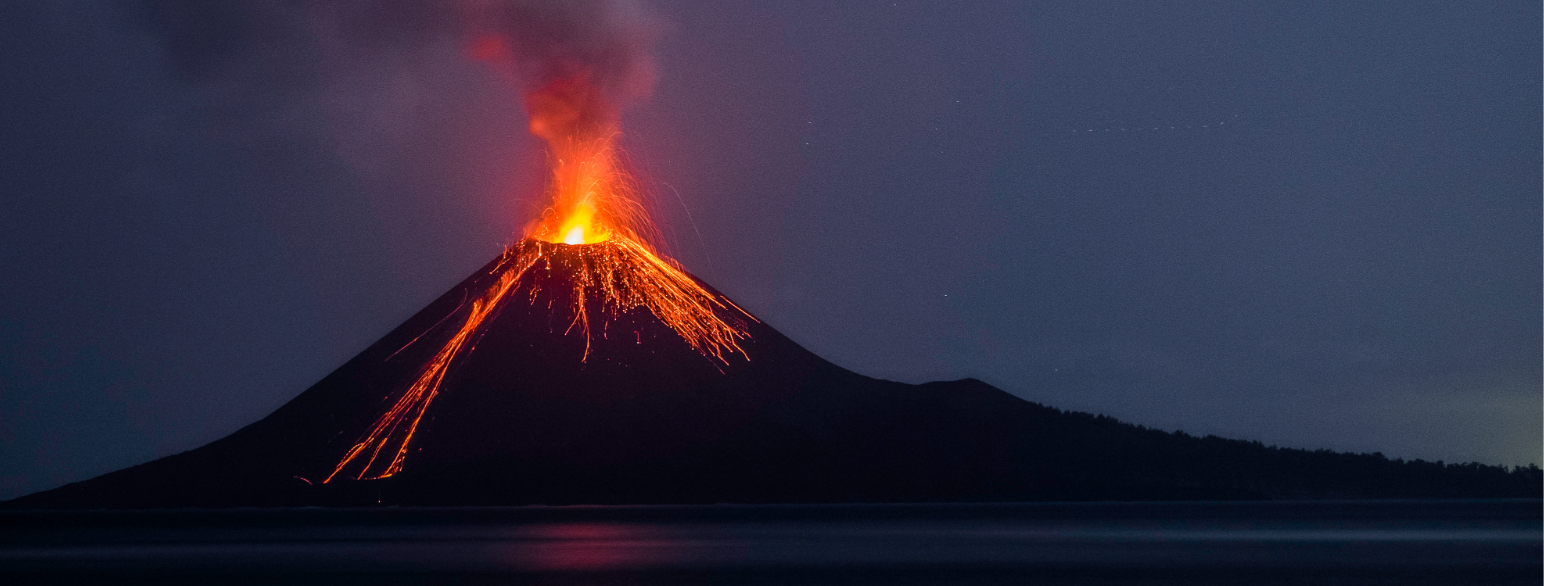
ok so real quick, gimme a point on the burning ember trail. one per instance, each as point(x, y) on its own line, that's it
point(399, 423)
point(595, 219)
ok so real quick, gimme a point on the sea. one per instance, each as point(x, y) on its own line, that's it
point(1349, 542)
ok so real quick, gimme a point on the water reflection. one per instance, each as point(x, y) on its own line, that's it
point(593, 547)
point(1203, 543)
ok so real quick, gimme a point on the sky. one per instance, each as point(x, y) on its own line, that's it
point(1312, 224)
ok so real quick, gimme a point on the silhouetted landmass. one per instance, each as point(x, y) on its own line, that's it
point(645, 419)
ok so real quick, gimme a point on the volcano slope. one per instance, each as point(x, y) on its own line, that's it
point(527, 416)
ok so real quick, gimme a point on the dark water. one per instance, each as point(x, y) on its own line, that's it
point(1408, 542)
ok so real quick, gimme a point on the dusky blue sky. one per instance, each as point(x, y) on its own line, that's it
point(1313, 224)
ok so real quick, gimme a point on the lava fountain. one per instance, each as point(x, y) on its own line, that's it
point(597, 233)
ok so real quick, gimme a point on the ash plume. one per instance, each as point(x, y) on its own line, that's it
point(545, 40)
point(582, 61)
point(391, 107)
point(578, 62)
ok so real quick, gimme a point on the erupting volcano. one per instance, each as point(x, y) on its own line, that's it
point(592, 235)
point(582, 366)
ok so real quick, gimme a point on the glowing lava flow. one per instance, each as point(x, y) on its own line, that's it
point(594, 204)
point(624, 275)
point(617, 274)
point(399, 423)
point(594, 218)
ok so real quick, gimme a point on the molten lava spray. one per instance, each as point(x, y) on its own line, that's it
point(582, 61)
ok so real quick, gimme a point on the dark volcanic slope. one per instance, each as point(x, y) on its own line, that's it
point(646, 419)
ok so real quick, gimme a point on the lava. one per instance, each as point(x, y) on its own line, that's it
point(617, 275)
point(594, 211)
point(396, 427)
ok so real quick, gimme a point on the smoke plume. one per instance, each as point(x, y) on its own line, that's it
point(580, 62)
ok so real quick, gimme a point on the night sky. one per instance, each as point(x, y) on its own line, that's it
point(1313, 224)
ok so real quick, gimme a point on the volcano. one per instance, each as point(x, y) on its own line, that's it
point(539, 407)
point(581, 366)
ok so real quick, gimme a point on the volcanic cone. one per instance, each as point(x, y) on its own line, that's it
point(538, 407)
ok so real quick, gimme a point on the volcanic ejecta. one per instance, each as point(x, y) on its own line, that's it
point(580, 63)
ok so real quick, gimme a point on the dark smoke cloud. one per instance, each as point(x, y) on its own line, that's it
point(401, 107)
point(583, 61)
point(289, 45)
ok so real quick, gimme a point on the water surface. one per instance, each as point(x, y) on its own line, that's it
point(1397, 542)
